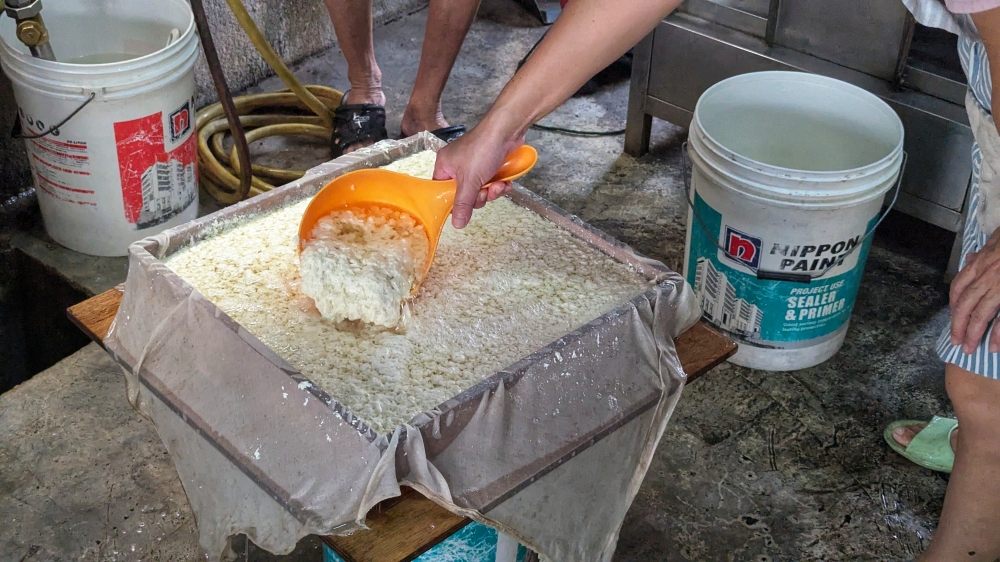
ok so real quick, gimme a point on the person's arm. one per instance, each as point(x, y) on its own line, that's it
point(975, 291)
point(588, 36)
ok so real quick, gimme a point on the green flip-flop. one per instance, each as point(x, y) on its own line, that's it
point(931, 448)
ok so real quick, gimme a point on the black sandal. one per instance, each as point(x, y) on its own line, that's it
point(355, 124)
point(448, 134)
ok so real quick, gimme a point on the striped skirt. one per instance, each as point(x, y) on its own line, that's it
point(981, 361)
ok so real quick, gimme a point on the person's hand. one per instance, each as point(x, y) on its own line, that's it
point(472, 160)
point(975, 298)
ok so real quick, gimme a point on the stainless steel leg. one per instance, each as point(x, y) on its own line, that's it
point(506, 548)
point(637, 134)
point(956, 256)
point(639, 123)
point(956, 249)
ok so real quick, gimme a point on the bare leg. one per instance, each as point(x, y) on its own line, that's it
point(447, 23)
point(971, 513)
point(352, 21)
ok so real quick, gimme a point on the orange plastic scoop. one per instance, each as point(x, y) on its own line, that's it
point(429, 202)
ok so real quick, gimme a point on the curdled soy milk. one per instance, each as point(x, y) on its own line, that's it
point(500, 289)
point(362, 264)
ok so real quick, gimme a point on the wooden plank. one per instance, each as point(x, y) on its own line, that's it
point(701, 349)
point(398, 533)
point(95, 315)
point(404, 527)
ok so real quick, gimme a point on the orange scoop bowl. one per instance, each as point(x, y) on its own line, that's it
point(429, 202)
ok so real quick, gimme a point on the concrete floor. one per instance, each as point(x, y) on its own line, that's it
point(754, 466)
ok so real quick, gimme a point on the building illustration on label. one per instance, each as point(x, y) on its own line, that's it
point(165, 187)
point(719, 304)
point(156, 184)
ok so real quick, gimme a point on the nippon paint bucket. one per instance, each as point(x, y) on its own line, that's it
point(789, 174)
point(124, 166)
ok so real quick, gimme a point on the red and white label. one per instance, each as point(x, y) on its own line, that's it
point(156, 184)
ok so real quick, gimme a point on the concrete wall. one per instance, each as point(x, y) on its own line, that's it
point(295, 28)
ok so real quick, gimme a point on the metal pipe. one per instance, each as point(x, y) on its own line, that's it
point(30, 27)
point(226, 99)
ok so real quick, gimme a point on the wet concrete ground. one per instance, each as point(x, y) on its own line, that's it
point(754, 466)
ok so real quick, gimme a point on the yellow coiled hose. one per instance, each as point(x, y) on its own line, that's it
point(262, 116)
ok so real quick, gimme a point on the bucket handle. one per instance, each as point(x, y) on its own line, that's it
point(765, 275)
point(16, 132)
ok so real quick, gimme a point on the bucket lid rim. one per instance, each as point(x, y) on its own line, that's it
point(798, 174)
point(109, 82)
point(791, 173)
point(823, 195)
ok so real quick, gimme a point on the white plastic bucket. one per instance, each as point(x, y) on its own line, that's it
point(124, 167)
point(789, 172)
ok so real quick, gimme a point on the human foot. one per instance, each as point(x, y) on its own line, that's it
point(930, 445)
point(372, 95)
point(905, 434)
point(417, 118)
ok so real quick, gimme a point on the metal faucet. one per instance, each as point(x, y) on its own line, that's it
point(30, 27)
